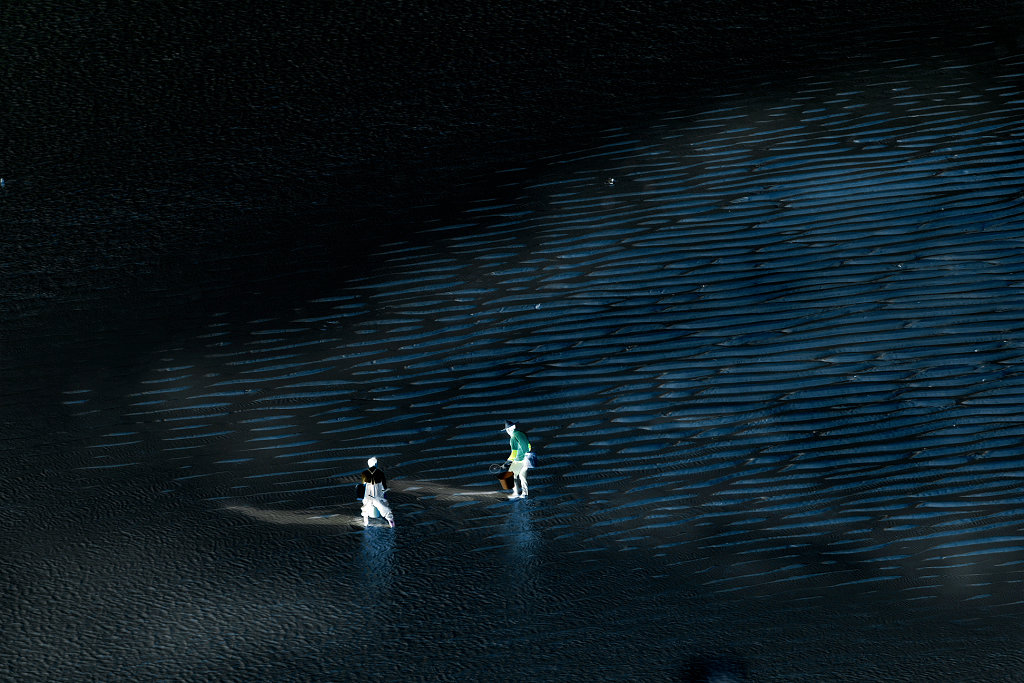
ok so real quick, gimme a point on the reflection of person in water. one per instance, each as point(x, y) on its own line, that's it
point(373, 497)
point(520, 459)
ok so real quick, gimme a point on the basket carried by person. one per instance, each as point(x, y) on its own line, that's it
point(505, 478)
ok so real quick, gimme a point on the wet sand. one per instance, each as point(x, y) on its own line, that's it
point(767, 349)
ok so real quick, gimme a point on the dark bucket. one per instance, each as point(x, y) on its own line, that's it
point(507, 480)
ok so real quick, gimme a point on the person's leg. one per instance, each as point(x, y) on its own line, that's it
point(522, 477)
point(385, 510)
point(517, 470)
point(365, 511)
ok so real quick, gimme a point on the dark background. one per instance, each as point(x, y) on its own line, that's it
point(164, 162)
point(140, 139)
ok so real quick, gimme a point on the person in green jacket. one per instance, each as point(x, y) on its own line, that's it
point(519, 460)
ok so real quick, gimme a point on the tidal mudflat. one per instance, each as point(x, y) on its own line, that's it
point(768, 350)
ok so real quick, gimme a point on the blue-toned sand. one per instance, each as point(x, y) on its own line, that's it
point(768, 350)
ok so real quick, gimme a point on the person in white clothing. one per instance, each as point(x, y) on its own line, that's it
point(376, 484)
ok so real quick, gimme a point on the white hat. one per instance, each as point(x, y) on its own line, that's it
point(371, 462)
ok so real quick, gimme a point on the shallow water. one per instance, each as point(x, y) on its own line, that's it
point(767, 351)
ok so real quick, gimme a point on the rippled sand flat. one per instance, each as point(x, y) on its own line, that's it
point(769, 354)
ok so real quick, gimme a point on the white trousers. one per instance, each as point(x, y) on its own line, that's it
point(519, 480)
point(371, 503)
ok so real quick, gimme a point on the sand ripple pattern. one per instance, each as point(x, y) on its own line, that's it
point(775, 344)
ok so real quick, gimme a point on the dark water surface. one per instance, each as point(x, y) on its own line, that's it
point(767, 345)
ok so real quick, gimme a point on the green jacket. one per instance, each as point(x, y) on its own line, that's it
point(519, 444)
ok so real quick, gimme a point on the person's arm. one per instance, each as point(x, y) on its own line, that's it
point(520, 446)
point(513, 444)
